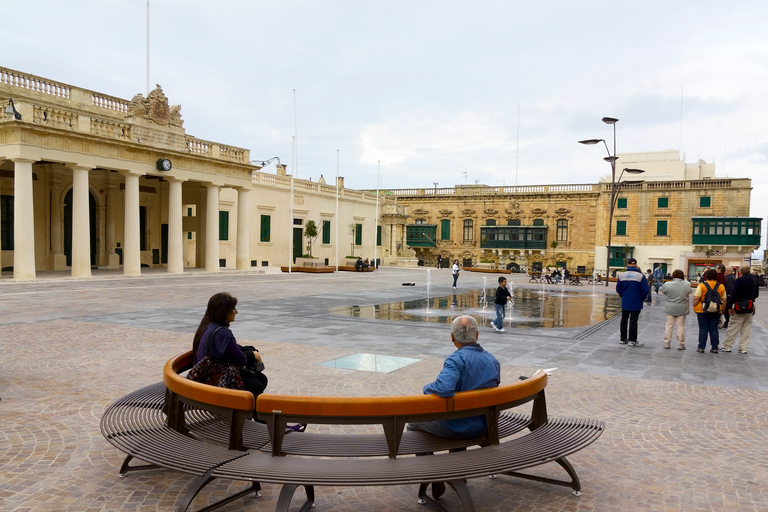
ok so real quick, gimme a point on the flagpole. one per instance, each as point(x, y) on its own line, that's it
point(376, 224)
point(337, 210)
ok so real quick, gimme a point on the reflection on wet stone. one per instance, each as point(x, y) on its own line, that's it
point(530, 308)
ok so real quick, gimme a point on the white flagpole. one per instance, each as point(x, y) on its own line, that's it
point(376, 224)
point(147, 48)
point(337, 210)
point(290, 218)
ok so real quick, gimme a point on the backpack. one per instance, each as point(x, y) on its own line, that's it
point(711, 301)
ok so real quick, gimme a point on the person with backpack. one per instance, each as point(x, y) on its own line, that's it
point(742, 310)
point(708, 303)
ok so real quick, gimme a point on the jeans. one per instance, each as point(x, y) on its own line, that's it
point(708, 326)
point(630, 316)
point(455, 278)
point(500, 310)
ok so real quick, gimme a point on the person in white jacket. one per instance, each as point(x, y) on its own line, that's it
point(677, 306)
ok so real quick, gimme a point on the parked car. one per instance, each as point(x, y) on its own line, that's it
point(761, 280)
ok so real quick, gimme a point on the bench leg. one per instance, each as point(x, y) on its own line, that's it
point(286, 494)
point(460, 486)
point(125, 468)
point(197, 485)
point(574, 484)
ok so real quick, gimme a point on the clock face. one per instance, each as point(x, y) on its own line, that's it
point(164, 164)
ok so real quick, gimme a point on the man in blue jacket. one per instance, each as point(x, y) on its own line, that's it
point(633, 288)
point(470, 367)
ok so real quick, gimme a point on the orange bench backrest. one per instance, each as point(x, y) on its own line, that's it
point(231, 398)
point(354, 406)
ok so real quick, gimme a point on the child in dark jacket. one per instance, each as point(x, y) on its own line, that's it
point(502, 296)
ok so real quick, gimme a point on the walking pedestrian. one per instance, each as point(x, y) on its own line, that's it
point(658, 277)
point(632, 287)
point(676, 307)
point(500, 303)
point(439, 260)
point(455, 272)
point(729, 280)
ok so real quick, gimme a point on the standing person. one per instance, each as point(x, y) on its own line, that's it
point(469, 367)
point(566, 275)
point(649, 277)
point(214, 331)
point(676, 307)
point(729, 280)
point(500, 303)
point(658, 277)
point(708, 302)
point(455, 272)
point(745, 291)
point(721, 278)
point(632, 287)
point(439, 260)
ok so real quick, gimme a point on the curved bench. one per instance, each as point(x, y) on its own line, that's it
point(201, 430)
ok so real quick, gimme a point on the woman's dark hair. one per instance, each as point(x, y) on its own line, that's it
point(678, 274)
point(219, 308)
point(710, 275)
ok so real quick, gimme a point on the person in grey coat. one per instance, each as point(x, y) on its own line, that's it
point(676, 307)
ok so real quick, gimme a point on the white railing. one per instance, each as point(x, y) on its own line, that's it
point(33, 83)
point(109, 102)
point(111, 129)
point(201, 147)
point(55, 118)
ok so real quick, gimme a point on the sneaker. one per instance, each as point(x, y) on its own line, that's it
point(714, 351)
point(623, 342)
point(700, 350)
point(494, 326)
point(725, 350)
point(681, 347)
point(502, 330)
point(741, 351)
point(636, 343)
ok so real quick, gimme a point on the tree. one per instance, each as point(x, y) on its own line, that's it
point(310, 233)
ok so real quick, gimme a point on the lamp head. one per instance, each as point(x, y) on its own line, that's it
point(610, 159)
point(11, 111)
point(610, 120)
point(633, 171)
point(590, 142)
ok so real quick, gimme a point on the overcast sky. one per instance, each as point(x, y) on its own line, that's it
point(430, 89)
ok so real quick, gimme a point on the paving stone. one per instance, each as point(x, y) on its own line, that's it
point(685, 431)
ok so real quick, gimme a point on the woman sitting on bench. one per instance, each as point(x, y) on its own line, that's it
point(214, 330)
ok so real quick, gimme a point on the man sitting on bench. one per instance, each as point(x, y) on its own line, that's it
point(470, 367)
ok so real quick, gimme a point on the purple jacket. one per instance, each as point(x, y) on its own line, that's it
point(224, 346)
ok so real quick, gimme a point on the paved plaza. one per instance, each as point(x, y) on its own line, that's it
point(684, 431)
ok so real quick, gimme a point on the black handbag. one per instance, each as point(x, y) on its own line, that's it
point(743, 307)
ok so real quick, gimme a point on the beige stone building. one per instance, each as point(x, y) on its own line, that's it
point(90, 180)
point(686, 224)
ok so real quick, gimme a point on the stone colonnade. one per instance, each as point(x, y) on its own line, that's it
point(24, 266)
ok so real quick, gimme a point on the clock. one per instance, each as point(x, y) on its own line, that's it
point(164, 164)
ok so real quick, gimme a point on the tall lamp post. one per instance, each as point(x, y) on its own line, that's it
point(616, 185)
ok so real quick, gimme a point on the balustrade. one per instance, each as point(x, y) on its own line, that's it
point(109, 102)
point(33, 83)
point(53, 117)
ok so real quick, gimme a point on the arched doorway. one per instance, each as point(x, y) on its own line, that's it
point(68, 226)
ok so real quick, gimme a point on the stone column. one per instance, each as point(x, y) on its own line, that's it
point(243, 230)
point(175, 235)
point(57, 224)
point(212, 228)
point(23, 221)
point(131, 245)
point(113, 199)
point(81, 223)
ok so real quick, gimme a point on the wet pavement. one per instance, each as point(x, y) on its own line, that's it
point(685, 431)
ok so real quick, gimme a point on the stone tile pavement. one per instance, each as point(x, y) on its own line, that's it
point(685, 431)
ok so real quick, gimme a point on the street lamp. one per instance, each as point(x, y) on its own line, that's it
point(615, 185)
point(11, 111)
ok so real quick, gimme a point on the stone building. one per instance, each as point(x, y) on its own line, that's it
point(91, 180)
point(686, 224)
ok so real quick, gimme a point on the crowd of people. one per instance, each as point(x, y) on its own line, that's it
point(721, 300)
